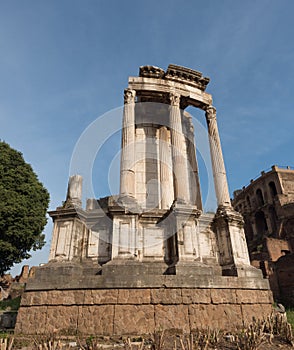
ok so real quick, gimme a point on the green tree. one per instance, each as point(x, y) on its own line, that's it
point(23, 206)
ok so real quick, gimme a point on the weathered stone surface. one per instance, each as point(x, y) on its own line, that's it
point(134, 319)
point(70, 297)
point(26, 299)
point(53, 297)
point(74, 191)
point(166, 296)
point(38, 298)
point(31, 320)
point(62, 319)
point(172, 317)
point(221, 316)
point(132, 311)
point(149, 280)
point(223, 296)
point(196, 296)
point(96, 319)
point(254, 296)
point(134, 296)
point(101, 296)
point(260, 311)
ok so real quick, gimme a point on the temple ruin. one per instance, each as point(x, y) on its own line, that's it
point(149, 258)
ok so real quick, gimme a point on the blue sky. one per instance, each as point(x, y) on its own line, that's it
point(65, 63)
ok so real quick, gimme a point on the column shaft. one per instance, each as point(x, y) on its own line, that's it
point(127, 174)
point(74, 191)
point(179, 153)
point(193, 167)
point(218, 165)
point(165, 169)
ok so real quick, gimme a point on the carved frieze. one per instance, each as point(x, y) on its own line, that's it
point(186, 75)
point(151, 72)
point(176, 73)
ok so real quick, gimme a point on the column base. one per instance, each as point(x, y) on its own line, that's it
point(129, 203)
point(125, 267)
point(241, 271)
point(194, 268)
point(179, 207)
point(234, 258)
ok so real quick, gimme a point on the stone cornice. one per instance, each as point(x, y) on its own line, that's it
point(186, 76)
point(151, 72)
point(176, 73)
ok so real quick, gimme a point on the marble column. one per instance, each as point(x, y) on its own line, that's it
point(74, 191)
point(218, 165)
point(165, 169)
point(179, 152)
point(193, 167)
point(127, 174)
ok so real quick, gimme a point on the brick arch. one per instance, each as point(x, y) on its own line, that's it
point(260, 222)
point(273, 189)
point(259, 197)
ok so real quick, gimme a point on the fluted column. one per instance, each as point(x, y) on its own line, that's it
point(127, 174)
point(218, 165)
point(179, 154)
point(165, 169)
point(193, 167)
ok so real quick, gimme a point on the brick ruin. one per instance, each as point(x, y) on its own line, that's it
point(149, 258)
point(267, 205)
point(12, 288)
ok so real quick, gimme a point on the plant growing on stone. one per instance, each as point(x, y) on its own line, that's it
point(277, 324)
point(159, 340)
point(290, 317)
point(53, 344)
point(201, 339)
point(215, 335)
point(250, 338)
point(129, 345)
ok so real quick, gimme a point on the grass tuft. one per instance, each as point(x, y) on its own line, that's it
point(290, 317)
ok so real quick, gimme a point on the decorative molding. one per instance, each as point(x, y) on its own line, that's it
point(176, 73)
point(186, 75)
point(129, 96)
point(151, 72)
point(175, 99)
point(210, 113)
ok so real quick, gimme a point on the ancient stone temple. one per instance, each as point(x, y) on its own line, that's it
point(149, 258)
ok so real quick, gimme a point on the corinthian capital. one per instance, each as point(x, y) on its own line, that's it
point(174, 99)
point(129, 96)
point(210, 113)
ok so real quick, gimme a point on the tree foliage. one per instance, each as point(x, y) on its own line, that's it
point(23, 206)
